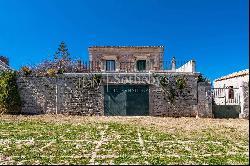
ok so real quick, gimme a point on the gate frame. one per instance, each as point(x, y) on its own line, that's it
point(113, 84)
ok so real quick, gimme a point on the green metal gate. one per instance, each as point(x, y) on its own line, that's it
point(126, 100)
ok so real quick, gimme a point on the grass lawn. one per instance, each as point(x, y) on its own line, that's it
point(50, 139)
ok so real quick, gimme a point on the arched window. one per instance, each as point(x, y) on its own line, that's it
point(231, 92)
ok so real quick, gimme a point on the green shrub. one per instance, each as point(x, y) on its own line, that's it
point(60, 71)
point(9, 97)
point(26, 70)
point(201, 78)
point(181, 83)
point(97, 78)
point(172, 86)
point(51, 73)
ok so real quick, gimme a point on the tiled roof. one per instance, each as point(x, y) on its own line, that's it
point(235, 74)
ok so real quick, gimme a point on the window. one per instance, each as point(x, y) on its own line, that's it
point(141, 65)
point(231, 92)
point(110, 65)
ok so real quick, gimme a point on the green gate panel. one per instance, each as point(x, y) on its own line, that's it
point(226, 111)
point(126, 100)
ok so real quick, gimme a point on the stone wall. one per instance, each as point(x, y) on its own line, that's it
point(244, 100)
point(188, 103)
point(69, 94)
point(160, 106)
point(37, 94)
point(204, 100)
point(64, 95)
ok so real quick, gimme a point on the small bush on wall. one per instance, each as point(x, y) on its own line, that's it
point(92, 81)
point(181, 83)
point(9, 97)
point(202, 78)
point(51, 73)
point(97, 78)
point(172, 86)
point(26, 70)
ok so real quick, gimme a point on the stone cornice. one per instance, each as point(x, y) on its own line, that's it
point(134, 49)
point(126, 47)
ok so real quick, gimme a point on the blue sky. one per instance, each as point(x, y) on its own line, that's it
point(213, 32)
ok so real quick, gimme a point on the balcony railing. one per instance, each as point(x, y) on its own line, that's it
point(98, 66)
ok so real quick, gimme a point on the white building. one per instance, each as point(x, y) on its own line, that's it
point(227, 89)
point(233, 89)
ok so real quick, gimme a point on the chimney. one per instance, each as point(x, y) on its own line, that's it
point(79, 65)
point(173, 62)
point(193, 66)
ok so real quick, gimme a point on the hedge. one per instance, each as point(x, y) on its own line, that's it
point(9, 97)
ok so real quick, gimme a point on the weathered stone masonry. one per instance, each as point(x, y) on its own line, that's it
point(185, 105)
point(62, 95)
point(126, 57)
point(204, 106)
point(245, 100)
point(67, 94)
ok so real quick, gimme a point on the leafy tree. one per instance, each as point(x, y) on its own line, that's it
point(62, 58)
point(60, 64)
point(9, 97)
point(62, 52)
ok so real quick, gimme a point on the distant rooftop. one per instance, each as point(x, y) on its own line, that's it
point(235, 74)
point(3, 66)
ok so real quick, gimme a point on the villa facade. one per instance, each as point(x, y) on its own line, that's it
point(130, 84)
point(126, 59)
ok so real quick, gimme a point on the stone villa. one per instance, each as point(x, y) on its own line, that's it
point(133, 59)
point(127, 87)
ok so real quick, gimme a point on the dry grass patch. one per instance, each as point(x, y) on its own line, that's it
point(58, 139)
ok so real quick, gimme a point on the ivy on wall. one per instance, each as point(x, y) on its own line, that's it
point(93, 81)
point(173, 86)
point(10, 102)
point(201, 78)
